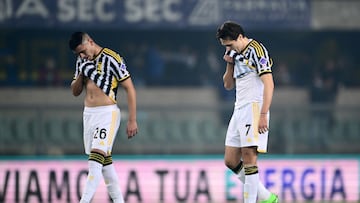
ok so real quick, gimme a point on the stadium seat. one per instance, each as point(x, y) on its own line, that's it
point(23, 129)
point(53, 131)
point(73, 130)
point(209, 129)
point(5, 131)
point(346, 101)
point(174, 131)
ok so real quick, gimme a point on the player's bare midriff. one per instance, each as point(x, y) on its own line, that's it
point(95, 96)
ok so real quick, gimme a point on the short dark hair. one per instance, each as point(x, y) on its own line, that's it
point(229, 30)
point(76, 39)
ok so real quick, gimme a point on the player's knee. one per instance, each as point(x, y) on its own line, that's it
point(97, 157)
point(238, 167)
point(99, 151)
point(230, 164)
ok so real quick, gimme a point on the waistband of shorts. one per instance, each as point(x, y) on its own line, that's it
point(101, 108)
point(240, 106)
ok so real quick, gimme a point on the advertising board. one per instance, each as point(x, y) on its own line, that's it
point(179, 180)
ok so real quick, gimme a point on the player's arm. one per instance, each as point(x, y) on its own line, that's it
point(264, 63)
point(77, 85)
point(228, 79)
point(132, 127)
point(268, 81)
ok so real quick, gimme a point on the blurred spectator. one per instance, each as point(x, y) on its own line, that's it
point(135, 62)
point(350, 74)
point(182, 66)
point(323, 92)
point(155, 66)
point(327, 77)
point(49, 75)
point(8, 74)
point(282, 74)
point(210, 72)
point(186, 61)
point(325, 83)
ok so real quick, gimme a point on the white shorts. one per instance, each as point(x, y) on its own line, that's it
point(243, 128)
point(100, 127)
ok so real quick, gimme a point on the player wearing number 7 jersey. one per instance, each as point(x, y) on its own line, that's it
point(100, 71)
point(248, 69)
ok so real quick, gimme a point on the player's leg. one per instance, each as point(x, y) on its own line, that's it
point(251, 142)
point(100, 128)
point(233, 154)
point(111, 180)
point(264, 195)
point(96, 156)
point(251, 182)
point(109, 172)
point(232, 157)
point(95, 165)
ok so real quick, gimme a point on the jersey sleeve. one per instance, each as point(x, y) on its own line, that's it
point(121, 71)
point(117, 64)
point(262, 60)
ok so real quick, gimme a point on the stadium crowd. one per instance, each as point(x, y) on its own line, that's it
point(319, 61)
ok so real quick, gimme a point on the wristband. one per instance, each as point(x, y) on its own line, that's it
point(231, 63)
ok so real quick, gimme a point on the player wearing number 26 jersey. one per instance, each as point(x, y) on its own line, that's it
point(107, 71)
point(100, 71)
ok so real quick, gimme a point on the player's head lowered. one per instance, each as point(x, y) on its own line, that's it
point(229, 31)
point(76, 39)
point(82, 45)
point(231, 35)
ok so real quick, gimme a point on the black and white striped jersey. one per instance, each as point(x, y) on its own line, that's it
point(107, 70)
point(250, 64)
point(254, 58)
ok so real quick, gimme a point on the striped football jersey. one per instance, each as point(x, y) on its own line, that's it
point(250, 64)
point(254, 58)
point(107, 70)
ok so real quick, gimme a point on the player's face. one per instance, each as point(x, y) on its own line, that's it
point(231, 44)
point(227, 43)
point(84, 50)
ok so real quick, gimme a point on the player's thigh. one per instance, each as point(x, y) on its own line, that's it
point(101, 128)
point(107, 124)
point(232, 136)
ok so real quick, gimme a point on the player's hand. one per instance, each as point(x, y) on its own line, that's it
point(263, 123)
point(132, 129)
point(227, 57)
